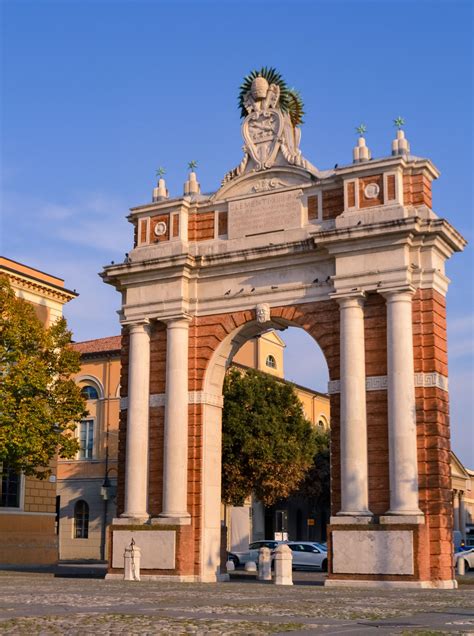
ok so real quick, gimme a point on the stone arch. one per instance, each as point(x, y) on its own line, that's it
point(227, 333)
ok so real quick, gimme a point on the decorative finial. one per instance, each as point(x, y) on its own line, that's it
point(399, 122)
point(361, 152)
point(160, 192)
point(191, 186)
point(400, 145)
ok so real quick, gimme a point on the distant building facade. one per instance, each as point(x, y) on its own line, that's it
point(28, 510)
point(87, 483)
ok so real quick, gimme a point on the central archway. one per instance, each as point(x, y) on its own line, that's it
point(319, 320)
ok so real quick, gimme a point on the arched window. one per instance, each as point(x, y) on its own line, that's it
point(81, 520)
point(90, 392)
point(271, 362)
point(322, 422)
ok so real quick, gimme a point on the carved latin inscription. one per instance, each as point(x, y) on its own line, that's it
point(269, 213)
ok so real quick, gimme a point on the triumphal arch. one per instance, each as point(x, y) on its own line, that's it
point(353, 255)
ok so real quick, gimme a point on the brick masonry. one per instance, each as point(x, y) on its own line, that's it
point(201, 226)
point(333, 203)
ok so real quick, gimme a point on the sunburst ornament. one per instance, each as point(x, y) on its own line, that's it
point(192, 165)
point(290, 100)
point(160, 172)
point(361, 129)
point(399, 122)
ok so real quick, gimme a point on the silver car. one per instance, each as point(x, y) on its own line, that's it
point(252, 553)
point(467, 555)
point(308, 555)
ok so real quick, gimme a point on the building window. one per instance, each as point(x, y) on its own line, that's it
point(86, 439)
point(90, 392)
point(81, 520)
point(10, 489)
point(271, 362)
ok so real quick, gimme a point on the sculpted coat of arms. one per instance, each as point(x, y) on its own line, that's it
point(272, 113)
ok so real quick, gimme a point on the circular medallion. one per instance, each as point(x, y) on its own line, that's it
point(160, 228)
point(371, 191)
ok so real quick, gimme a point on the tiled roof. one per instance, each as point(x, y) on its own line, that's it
point(100, 345)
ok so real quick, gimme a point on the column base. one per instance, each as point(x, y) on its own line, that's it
point(405, 518)
point(344, 519)
point(131, 520)
point(175, 520)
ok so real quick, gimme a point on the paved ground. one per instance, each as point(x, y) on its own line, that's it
point(47, 603)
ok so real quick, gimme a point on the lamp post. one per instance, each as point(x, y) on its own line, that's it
point(106, 492)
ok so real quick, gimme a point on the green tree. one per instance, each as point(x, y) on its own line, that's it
point(39, 402)
point(267, 443)
point(315, 487)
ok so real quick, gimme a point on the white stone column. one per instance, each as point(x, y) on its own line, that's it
point(402, 441)
point(354, 468)
point(462, 515)
point(175, 468)
point(136, 459)
point(456, 510)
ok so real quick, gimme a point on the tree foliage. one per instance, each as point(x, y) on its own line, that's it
point(315, 487)
point(39, 402)
point(268, 445)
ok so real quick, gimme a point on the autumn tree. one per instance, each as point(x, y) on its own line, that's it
point(268, 445)
point(40, 403)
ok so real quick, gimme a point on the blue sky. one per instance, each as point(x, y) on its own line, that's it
point(98, 94)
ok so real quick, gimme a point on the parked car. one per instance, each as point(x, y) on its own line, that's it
point(252, 553)
point(234, 558)
point(467, 555)
point(308, 555)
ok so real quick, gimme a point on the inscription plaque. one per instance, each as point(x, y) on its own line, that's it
point(157, 548)
point(372, 552)
point(269, 213)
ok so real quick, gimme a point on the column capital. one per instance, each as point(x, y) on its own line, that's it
point(177, 321)
point(405, 292)
point(353, 298)
point(137, 326)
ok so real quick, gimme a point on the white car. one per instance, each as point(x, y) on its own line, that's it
point(467, 555)
point(308, 555)
point(252, 553)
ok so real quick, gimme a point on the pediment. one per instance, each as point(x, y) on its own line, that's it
point(265, 181)
point(457, 467)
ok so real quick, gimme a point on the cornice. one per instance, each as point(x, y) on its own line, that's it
point(42, 289)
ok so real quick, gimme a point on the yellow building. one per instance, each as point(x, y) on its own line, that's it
point(28, 523)
point(87, 484)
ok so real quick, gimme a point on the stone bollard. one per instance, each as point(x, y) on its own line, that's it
point(283, 565)
point(131, 567)
point(461, 566)
point(230, 566)
point(250, 566)
point(264, 565)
